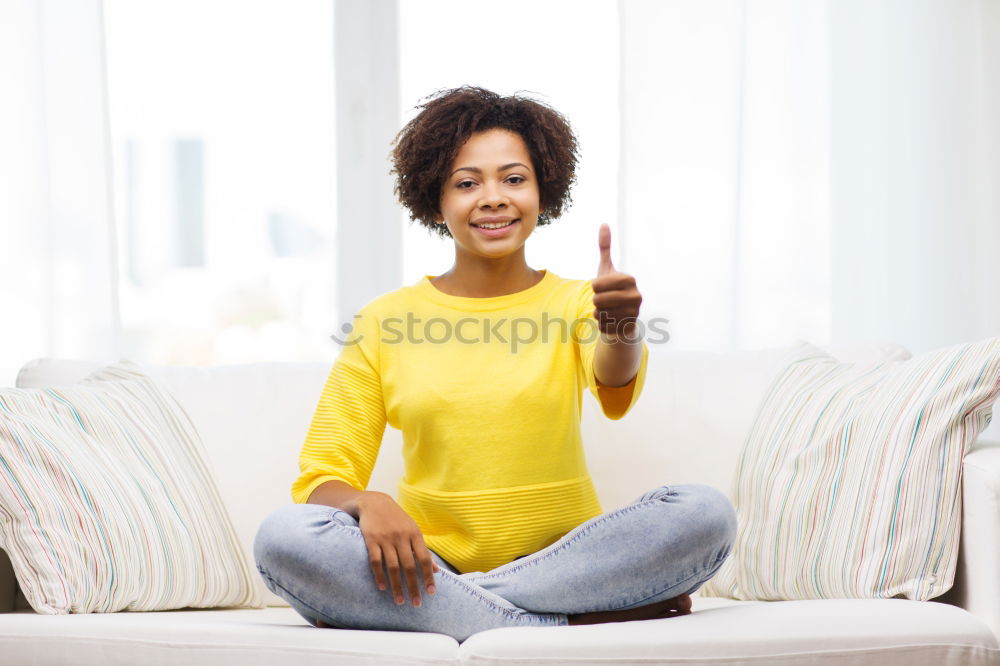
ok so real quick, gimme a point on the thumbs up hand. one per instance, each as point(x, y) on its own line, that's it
point(616, 298)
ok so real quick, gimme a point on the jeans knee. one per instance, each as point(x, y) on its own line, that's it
point(717, 514)
point(280, 531)
point(291, 530)
point(270, 534)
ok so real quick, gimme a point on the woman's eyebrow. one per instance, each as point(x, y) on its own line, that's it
point(478, 170)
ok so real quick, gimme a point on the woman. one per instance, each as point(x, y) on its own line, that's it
point(497, 523)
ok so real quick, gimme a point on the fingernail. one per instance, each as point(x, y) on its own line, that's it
point(431, 589)
point(416, 602)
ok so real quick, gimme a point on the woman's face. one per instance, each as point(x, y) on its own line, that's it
point(492, 177)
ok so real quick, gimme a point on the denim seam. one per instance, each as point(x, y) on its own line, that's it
point(605, 518)
point(466, 587)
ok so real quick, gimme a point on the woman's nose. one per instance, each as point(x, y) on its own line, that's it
point(492, 197)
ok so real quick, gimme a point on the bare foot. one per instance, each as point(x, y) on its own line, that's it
point(680, 605)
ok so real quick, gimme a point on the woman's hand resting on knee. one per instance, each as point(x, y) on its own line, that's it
point(391, 535)
point(394, 539)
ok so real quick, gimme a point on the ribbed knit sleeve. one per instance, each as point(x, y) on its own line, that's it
point(615, 401)
point(347, 427)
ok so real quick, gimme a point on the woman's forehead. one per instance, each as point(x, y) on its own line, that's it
point(492, 148)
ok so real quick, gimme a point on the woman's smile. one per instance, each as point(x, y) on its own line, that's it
point(495, 227)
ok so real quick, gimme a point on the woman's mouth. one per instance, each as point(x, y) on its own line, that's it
point(498, 232)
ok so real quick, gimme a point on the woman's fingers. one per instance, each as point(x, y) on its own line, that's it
point(392, 565)
point(427, 564)
point(375, 561)
point(408, 564)
point(402, 561)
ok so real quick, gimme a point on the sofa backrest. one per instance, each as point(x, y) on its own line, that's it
point(687, 427)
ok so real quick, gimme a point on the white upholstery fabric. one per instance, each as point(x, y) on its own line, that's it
point(977, 581)
point(880, 632)
point(246, 637)
point(859, 632)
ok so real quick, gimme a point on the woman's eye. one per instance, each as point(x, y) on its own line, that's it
point(515, 180)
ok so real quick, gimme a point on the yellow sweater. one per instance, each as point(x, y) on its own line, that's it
point(490, 414)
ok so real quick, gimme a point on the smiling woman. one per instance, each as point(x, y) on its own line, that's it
point(497, 518)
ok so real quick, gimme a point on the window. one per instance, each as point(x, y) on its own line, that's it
point(223, 131)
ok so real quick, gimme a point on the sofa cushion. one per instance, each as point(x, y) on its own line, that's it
point(876, 632)
point(106, 504)
point(859, 632)
point(849, 484)
point(272, 636)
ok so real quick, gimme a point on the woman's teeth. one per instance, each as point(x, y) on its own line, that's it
point(494, 226)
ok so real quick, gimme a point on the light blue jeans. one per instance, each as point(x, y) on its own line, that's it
point(666, 543)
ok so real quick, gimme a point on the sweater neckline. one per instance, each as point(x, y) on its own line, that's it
point(427, 289)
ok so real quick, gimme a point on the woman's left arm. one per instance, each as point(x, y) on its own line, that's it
point(616, 307)
point(616, 361)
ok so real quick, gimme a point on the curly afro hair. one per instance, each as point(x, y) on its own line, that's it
point(425, 148)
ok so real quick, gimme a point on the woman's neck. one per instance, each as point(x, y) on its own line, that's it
point(484, 279)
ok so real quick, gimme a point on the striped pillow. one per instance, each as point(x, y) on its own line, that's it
point(849, 483)
point(106, 503)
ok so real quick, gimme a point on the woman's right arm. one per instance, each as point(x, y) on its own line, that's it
point(391, 535)
point(339, 495)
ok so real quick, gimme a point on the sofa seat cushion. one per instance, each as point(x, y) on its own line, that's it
point(243, 637)
point(860, 632)
point(881, 632)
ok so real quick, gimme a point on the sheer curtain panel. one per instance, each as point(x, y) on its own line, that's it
point(57, 256)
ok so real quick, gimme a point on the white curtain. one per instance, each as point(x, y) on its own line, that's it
point(57, 252)
point(818, 170)
point(915, 166)
point(725, 194)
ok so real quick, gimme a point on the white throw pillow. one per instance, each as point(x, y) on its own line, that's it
point(106, 503)
point(849, 483)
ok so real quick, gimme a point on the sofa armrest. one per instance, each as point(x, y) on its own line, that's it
point(977, 577)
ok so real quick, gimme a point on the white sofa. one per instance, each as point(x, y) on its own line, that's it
point(688, 427)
